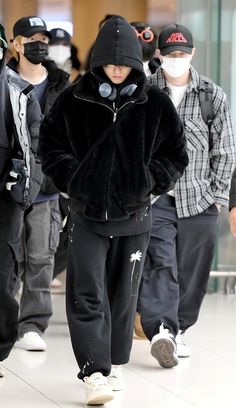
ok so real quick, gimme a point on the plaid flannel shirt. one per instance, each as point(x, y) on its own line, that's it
point(206, 179)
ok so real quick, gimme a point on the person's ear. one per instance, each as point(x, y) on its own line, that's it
point(16, 45)
point(193, 51)
point(158, 54)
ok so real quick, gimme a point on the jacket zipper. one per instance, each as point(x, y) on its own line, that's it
point(115, 110)
point(103, 104)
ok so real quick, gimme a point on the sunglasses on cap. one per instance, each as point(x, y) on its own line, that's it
point(146, 35)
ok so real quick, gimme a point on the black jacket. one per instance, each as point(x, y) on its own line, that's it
point(20, 118)
point(57, 81)
point(111, 167)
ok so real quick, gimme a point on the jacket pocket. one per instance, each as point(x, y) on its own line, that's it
point(197, 135)
point(198, 146)
point(17, 192)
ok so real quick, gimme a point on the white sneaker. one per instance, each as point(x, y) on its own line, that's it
point(115, 378)
point(182, 348)
point(97, 390)
point(1, 371)
point(31, 341)
point(163, 348)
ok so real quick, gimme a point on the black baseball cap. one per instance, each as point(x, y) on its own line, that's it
point(175, 37)
point(59, 35)
point(28, 26)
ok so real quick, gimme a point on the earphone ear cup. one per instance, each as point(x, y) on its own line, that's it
point(128, 90)
point(107, 91)
point(113, 95)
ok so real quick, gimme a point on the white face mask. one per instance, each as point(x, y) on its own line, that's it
point(1, 53)
point(176, 67)
point(59, 53)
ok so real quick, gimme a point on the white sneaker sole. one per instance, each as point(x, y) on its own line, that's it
point(183, 355)
point(30, 348)
point(163, 350)
point(99, 398)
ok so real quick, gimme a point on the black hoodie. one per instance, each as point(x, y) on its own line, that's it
point(110, 157)
point(117, 44)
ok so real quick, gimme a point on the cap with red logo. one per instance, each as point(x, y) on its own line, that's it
point(175, 37)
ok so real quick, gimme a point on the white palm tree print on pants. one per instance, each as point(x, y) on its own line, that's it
point(135, 257)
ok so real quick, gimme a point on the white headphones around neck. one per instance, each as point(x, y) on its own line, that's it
point(108, 91)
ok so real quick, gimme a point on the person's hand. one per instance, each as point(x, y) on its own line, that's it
point(232, 221)
point(12, 180)
point(218, 206)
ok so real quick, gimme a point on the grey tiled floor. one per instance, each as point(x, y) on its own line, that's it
point(206, 380)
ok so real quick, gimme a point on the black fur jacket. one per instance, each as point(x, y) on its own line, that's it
point(110, 156)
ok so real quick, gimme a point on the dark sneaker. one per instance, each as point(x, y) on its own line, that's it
point(163, 348)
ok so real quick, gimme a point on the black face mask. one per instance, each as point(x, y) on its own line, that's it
point(36, 52)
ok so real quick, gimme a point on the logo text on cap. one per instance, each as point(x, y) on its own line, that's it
point(176, 38)
point(60, 33)
point(36, 21)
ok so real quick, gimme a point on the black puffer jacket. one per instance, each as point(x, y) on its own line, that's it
point(57, 81)
point(110, 156)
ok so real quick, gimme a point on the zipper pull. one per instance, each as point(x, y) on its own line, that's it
point(115, 112)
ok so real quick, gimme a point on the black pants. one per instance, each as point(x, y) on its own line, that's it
point(11, 221)
point(103, 276)
point(61, 253)
point(177, 267)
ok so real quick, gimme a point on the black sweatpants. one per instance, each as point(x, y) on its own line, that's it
point(103, 276)
point(60, 258)
point(11, 221)
point(177, 267)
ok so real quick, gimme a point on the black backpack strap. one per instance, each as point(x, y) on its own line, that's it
point(29, 88)
point(206, 99)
